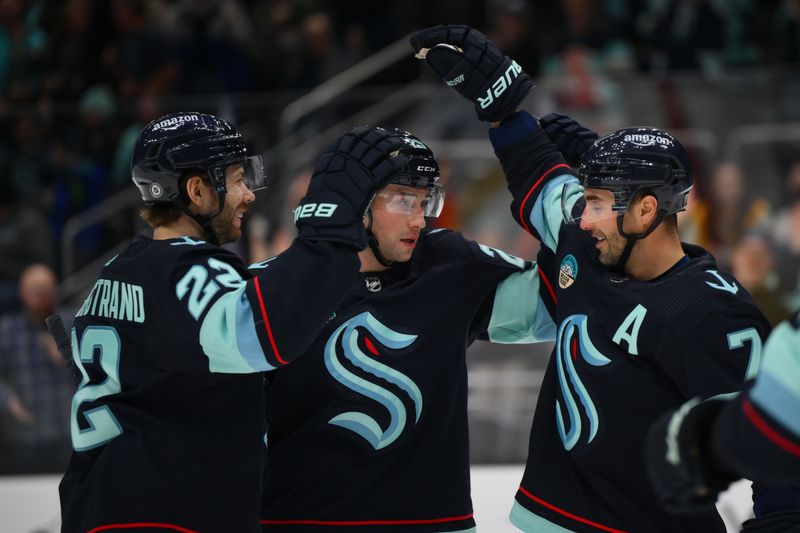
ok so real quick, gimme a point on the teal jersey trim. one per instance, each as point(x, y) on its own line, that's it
point(228, 336)
point(546, 215)
point(517, 319)
point(529, 523)
point(777, 387)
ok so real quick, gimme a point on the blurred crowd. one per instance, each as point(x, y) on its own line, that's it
point(80, 78)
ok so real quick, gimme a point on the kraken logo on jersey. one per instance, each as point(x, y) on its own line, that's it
point(361, 423)
point(573, 338)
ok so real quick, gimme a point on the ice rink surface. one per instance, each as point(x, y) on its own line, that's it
point(30, 504)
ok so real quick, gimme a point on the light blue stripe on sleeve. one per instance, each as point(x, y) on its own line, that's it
point(777, 387)
point(546, 215)
point(228, 336)
point(530, 523)
point(778, 401)
point(518, 314)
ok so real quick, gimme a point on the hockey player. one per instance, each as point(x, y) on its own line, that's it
point(645, 322)
point(171, 343)
point(695, 451)
point(378, 441)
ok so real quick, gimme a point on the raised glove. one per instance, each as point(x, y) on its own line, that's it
point(346, 178)
point(685, 473)
point(59, 333)
point(473, 65)
point(571, 139)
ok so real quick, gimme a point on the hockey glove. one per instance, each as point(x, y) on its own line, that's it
point(571, 139)
point(686, 475)
point(59, 333)
point(345, 181)
point(473, 65)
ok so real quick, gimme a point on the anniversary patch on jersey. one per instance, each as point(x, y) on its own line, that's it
point(568, 272)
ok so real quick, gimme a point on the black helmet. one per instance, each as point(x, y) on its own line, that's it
point(422, 169)
point(639, 159)
point(170, 146)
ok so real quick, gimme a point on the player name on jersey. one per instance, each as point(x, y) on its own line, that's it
point(114, 299)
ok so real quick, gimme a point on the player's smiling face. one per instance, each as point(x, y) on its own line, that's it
point(601, 222)
point(228, 224)
point(397, 220)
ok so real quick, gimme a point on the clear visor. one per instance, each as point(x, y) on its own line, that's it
point(255, 176)
point(589, 205)
point(409, 200)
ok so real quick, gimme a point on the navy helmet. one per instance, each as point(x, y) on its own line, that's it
point(639, 159)
point(178, 143)
point(422, 169)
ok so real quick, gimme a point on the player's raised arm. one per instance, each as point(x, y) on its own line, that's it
point(496, 86)
point(271, 319)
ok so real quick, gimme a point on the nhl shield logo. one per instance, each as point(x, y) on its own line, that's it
point(568, 272)
point(373, 284)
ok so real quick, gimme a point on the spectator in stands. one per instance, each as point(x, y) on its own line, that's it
point(141, 59)
point(727, 215)
point(211, 40)
point(81, 160)
point(786, 232)
point(35, 385)
point(24, 239)
point(682, 34)
point(23, 157)
point(753, 264)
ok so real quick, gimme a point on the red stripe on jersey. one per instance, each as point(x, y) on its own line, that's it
point(535, 185)
point(366, 522)
point(763, 427)
point(548, 286)
point(567, 514)
point(370, 346)
point(266, 323)
point(152, 525)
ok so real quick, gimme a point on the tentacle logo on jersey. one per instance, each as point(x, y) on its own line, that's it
point(573, 337)
point(361, 423)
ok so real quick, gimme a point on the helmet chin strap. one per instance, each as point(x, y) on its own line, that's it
point(373, 243)
point(630, 240)
point(205, 220)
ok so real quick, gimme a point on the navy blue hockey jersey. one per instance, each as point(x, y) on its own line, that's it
point(758, 434)
point(626, 352)
point(168, 422)
point(378, 439)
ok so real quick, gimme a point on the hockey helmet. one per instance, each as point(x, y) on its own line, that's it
point(636, 160)
point(421, 170)
point(178, 143)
